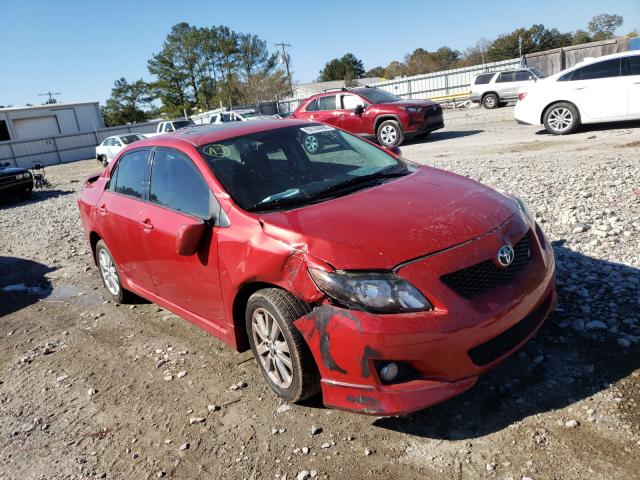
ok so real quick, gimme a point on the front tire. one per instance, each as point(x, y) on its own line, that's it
point(313, 144)
point(390, 134)
point(561, 118)
point(490, 101)
point(278, 347)
point(110, 275)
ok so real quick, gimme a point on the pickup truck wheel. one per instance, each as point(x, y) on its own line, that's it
point(561, 118)
point(279, 348)
point(390, 133)
point(109, 274)
point(490, 101)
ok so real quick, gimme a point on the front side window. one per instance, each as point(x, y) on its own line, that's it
point(132, 173)
point(606, 69)
point(631, 65)
point(350, 102)
point(284, 168)
point(168, 127)
point(327, 103)
point(524, 76)
point(176, 183)
point(506, 77)
point(127, 139)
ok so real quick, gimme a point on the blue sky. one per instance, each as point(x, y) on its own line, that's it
point(80, 47)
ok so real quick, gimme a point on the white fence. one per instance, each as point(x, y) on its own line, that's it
point(64, 148)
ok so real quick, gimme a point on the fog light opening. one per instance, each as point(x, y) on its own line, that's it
point(389, 372)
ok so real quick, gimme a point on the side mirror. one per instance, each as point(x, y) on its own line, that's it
point(189, 238)
point(393, 150)
point(359, 110)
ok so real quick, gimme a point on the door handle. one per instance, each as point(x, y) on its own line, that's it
point(102, 209)
point(340, 114)
point(314, 116)
point(146, 224)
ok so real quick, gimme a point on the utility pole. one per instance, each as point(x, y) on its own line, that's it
point(50, 95)
point(520, 49)
point(285, 58)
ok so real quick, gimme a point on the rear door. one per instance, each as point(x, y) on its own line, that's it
point(599, 90)
point(631, 76)
point(506, 85)
point(179, 195)
point(118, 213)
point(322, 109)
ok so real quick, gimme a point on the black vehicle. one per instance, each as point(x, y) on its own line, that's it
point(15, 181)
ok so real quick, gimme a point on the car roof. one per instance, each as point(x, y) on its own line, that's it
point(209, 133)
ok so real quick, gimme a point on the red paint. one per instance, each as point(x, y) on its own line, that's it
point(427, 116)
point(423, 225)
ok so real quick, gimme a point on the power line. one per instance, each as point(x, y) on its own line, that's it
point(285, 57)
point(50, 95)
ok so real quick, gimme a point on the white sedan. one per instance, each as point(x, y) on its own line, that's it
point(603, 89)
point(110, 146)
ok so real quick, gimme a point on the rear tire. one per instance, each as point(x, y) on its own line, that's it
point(313, 144)
point(278, 347)
point(490, 101)
point(110, 275)
point(561, 118)
point(390, 133)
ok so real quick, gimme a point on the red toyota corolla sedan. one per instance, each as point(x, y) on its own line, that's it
point(386, 285)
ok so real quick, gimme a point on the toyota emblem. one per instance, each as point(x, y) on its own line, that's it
point(506, 255)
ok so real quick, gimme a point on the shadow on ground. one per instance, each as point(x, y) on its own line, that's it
point(442, 135)
point(600, 127)
point(22, 283)
point(36, 196)
point(556, 368)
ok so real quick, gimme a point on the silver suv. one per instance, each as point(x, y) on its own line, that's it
point(495, 89)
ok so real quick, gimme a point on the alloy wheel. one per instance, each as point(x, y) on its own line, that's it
point(272, 348)
point(109, 272)
point(388, 134)
point(560, 119)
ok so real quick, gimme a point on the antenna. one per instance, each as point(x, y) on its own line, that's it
point(285, 59)
point(50, 95)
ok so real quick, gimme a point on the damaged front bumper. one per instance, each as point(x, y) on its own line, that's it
point(446, 349)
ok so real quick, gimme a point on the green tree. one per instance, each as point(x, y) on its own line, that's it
point(603, 26)
point(534, 39)
point(375, 72)
point(127, 102)
point(580, 37)
point(349, 66)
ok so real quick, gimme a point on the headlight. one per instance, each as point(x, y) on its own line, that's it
point(371, 291)
point(524, 208)
point(412, 109)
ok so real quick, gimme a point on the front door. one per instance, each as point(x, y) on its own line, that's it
point(178, 196)
point(349, 119)
point(118, 212)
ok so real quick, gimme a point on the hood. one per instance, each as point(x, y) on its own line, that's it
point(6, 171)
point(413, 103)
point(404, 218)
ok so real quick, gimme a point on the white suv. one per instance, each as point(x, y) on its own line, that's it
point(495, 89)
point(600, 89)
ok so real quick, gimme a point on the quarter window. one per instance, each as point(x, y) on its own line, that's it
point(606, 69)
point(176, 183)
point(131, 174)
point(312, 106)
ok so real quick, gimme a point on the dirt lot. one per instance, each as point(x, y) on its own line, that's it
point(84, 391)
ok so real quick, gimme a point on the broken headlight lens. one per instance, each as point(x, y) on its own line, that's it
point(377, 292)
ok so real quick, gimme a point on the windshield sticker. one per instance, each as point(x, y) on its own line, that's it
point(317, 129)
point(216, 150)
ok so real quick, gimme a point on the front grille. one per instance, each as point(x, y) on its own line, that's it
point(484, 276)
point(499, 346)
point(7, 179)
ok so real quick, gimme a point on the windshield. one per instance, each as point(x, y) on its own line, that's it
point(178, 124)
point(373, 95)
point(537, 73)
point(297, 165)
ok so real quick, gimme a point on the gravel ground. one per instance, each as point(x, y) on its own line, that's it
point(89, 389)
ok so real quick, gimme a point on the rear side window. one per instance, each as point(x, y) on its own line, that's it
point(506, 77)
point(327, 103)
point(631, 65)
point(606, 69)
point(176, 183)
point(131, 174)
point(523, 76)
point(484, 78)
